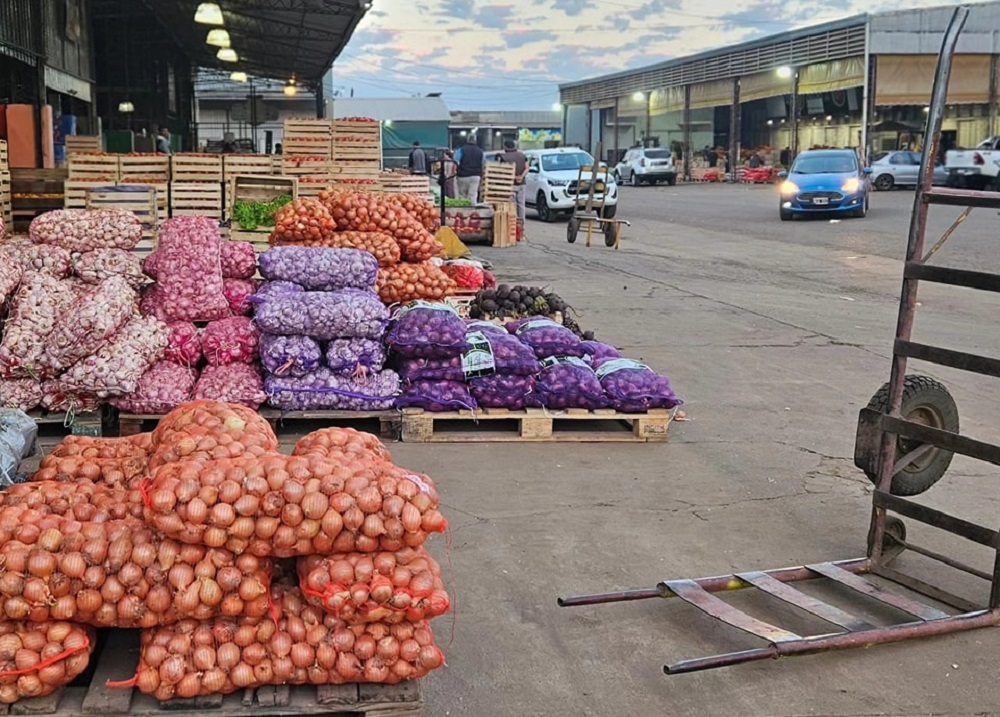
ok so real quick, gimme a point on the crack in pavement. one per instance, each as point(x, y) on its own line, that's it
point(575, 259)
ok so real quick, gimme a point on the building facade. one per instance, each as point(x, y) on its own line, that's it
point(864, 81)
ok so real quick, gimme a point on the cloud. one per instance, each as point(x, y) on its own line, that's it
point(520, 38)
point(574, 7)
point(494, 17)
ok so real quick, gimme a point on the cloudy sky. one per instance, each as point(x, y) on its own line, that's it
point(512, 54)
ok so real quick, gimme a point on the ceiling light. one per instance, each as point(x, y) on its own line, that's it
point(227, 55)
point(208, 13)
point(290, 90)
point(829, 118)
point(784, 72)
point(238, 77)
point(557, 107)
point(291, 80)
point(218, 37)
point(770, 122)
point(387, 123)
point(126, 107)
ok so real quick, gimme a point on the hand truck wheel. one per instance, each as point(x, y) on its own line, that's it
point(572, 229)
point(611, 233)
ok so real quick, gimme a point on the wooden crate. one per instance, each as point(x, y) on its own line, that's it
point(352, 171)
point(246, 164)
point(150, 167)
point(117, 659)
point(162, 193)
point(307, 136)
point(3, 155)
point(192, 199)
point(357, 151)
point(397, 183)
point(307, 166)
point(293, 146)
point(504, 224)
point(94, 166)
point(257, 189)
point(140, 199)
point(535, 424)
point(367, 127)
point(55, 426)
point(83, 143)
point(498, 182)
point(75, 191)
point(198, 168)
point(311, 187)
point(6, 204)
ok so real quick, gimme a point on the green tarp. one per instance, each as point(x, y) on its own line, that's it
point(401, 135)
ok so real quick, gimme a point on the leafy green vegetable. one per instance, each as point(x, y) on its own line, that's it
point(456, 202)
point(251, 215)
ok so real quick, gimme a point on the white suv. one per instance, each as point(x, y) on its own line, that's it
point(647, 165)
point(551, 183)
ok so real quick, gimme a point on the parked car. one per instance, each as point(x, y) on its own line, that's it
point(640, 165)
point(901, 169)
point(824, 180)
point(975, 168)
point(551, 183)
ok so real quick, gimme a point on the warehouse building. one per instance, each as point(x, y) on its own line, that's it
point(864, 81)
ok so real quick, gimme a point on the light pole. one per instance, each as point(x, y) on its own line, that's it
point(792, 73)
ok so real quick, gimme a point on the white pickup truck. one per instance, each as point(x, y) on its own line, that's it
point(975, 168)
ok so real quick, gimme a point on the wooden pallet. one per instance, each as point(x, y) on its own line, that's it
point(504, 224)
point(53, 427)
point(498, 182)
point(75, 191)
point(190, 199)
point(94, 166)
point(117, 661)
point(284, 423)
point(83, 143)
point(141, 200)
point(6, 204)
point(246, 164)
point(150, 167)
point(199, 168)
point(534, 424)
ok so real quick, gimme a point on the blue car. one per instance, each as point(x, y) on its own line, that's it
point(824, 181)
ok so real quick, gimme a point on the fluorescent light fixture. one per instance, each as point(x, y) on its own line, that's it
point(770, 122)
point(227, 54)
point(784, 72)
point(638, 96)
point(829, 118)
point(218, 37)
point(208, 13)
point(126, 107)
point(238, 77)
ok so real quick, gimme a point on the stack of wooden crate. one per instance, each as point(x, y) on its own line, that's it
point(5, 199)
point(76, 143)
point(307, 137)
point(498, 182)
point(357, 149)
point(149, 170)
point(399, 183)
point(86, 171)
point(196, 185)
point(140, 199)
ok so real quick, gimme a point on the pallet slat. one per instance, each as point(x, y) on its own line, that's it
point(118, 657)
point(94, 166)
point(6, 202)
point(421, 426)
point(246, 164)
point(3, 155)
point(83, 143)
point(148, 167)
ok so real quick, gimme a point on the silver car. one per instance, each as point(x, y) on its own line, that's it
point(901, 169)
point(646, 166)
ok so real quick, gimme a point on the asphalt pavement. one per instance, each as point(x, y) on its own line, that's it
point(776, 334)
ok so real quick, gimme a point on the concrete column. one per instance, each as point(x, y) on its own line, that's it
point(735, 126)
point(615, 142)
point(993, 95)
point(686, 121)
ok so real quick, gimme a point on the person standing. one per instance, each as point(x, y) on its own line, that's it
point(470, 169)
point(449, 168)
point(163, 141)
point(514, 156)
point(418, 160)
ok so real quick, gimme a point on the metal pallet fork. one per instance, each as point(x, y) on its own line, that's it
point(906, 438)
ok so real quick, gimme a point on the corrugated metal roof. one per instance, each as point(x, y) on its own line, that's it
point(397, 109)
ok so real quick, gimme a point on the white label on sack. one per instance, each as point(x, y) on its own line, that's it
point(556, 360)
point(421, 304)
point(536, 324)
point(478, 360)
point(606, 369)
point(420, 482)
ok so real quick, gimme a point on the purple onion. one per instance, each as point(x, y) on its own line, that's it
point(293, 356)
point(437, 396)
point(323, 314)
point(634, 387)
point(320, 268)
point(423, 329)
point(325, 390)
point(502, 390)
point(349, 354)
point(546, 337)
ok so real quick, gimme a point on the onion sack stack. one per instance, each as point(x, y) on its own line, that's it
point(322, 326)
